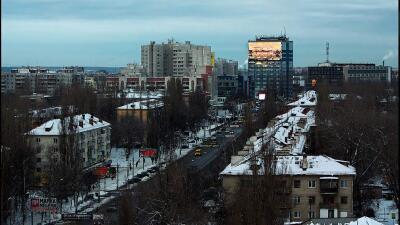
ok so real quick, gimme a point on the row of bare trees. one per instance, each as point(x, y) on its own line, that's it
point(362, 129)
point(17, 161)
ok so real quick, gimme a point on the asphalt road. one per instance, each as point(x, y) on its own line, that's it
point(209, 154)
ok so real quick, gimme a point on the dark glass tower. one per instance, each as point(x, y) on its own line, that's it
point(270, 64)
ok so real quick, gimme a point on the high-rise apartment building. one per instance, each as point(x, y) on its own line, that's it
point(270, 63)
point(35, 80)
point(175, 59)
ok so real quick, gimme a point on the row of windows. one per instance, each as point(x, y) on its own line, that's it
point(297, 214)
point(311, 200)
point(312, 184)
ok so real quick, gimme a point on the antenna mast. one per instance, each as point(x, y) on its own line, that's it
point(327, 52)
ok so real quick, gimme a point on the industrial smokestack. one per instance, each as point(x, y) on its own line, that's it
point(383, 63)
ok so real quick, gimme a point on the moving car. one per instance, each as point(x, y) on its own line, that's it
point(197, 152)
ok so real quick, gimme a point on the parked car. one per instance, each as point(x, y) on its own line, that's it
point(89, 197)
point(143, 174)
point(135, 179)
point(112, 209)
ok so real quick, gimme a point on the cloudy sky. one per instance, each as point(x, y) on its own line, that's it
point(110, 32)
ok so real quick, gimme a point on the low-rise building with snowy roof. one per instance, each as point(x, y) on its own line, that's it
point(309, 99)
point(90, 138)
point(341, 221)
point(139, 110)
point(315, 185)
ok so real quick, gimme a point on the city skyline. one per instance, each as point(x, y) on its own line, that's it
point(101, 33)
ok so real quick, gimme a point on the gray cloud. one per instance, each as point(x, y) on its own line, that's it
point(225, 25)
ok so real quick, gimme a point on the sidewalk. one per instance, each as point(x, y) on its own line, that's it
point(103, 186)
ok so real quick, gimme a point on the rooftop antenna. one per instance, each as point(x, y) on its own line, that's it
point(284, 31)
point(327, 52)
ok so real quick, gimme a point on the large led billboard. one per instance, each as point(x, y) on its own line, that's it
point(265, 50)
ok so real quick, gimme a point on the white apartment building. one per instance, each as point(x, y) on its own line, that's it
point(92, 139)
point(175, 59)
point(36, 80)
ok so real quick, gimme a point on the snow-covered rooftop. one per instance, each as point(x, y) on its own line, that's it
point(308, 99)
point(81, 123)
point(338, 96)
point(365, 221)
point(144, 104)
point(141, 95)
point(292, 165)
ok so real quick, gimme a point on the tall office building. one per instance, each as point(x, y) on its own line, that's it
point(270, 63)
point(175, 59)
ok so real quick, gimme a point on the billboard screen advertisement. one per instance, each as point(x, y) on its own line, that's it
point(261, 96)
point(265, 50)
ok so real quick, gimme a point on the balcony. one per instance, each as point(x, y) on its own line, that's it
point(329, 186)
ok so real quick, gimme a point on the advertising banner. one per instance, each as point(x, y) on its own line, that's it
point(148, 152)
point(44, 204)
point(265, 50)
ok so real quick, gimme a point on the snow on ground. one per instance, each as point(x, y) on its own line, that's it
point(385, 211)
point(127, 168)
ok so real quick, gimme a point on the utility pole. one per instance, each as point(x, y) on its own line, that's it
point(117, 175)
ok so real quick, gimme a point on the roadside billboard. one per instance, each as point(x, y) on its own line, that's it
point(101, 171)
point(265, 50)
point(44, 204)
point(148, 152)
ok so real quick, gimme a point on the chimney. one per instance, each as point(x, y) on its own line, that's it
point(81, 123)
point(91, 121)
point(304, 165)
point(83, 116)
point(383, 63)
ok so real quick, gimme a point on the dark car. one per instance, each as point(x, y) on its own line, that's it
point(89, 197)
point(153, 169)
point(141, 175)
point(112, 209)
point(134, 180)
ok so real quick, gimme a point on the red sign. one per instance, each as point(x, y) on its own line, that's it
point(148, 152)
point(44, 204)
point(101, 171)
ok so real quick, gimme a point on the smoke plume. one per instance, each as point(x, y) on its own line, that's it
point(388, 55)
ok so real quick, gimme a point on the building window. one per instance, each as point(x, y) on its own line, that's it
point(311, 200)
point(55, 140)
point(311, 214)
point(38, 140)
point(296, 183)
point(296, 214)
point(343, 184)
point(38, 169)
point(296, 200)
point(38, 160)
point(311, 184)
point(343, 200)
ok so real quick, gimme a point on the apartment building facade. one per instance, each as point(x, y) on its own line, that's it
point(91, 138)
point(175, 59)
point(312, 189)
point(34, 80)
point(338, 73)
point(122, 82)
